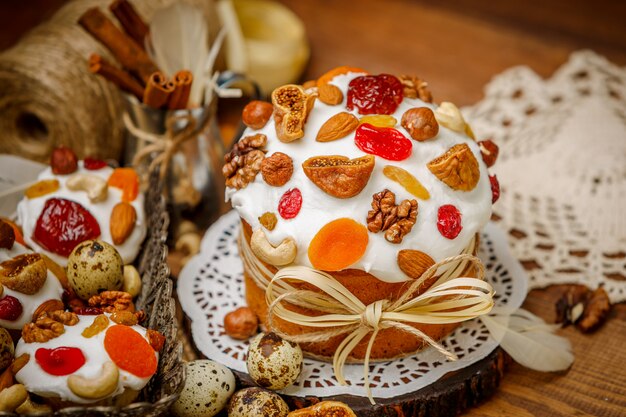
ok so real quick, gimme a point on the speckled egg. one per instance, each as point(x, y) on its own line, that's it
point(208, 386)
point(7, 350)
point(94, 266)
point(273, 362)
point(257, 402)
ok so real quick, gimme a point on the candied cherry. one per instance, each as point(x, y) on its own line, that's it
point(63, 224)
point(290, 204)
point(495, 188)
point(385, 142)
point(10, 308)
point(449, 221)
point(94, 164)
point(130, 351)
point(60, 361)
point(375, 94)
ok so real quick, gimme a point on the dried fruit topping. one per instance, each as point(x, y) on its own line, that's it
point(328, 76)
point(156, 339)
point(122, 224)
point(257, 113)
point(16, 231)
point(63, 161)
point(93, 164)
point(395, 220)
point(48, 325)
point(329, 94)
point(375, 94)
point(489, 151)
point(10, 308)
point(241, 324)
point(243, 162)
point(325, 409)
point(277, 169)
point(100, 323)
point(338, 244)
point(60, 361)
point(88, 311)
point(457, 168)
point(307, 85)
point(41, 188)
point(290, 204)
point(63, 224)
point(338, 126)
point(385, 142)
point(110, 301)
point(339, 176)
point(449, 221)
point(407, 180)
point(449, 115)
point(130, 351)
point(414, 263)
point(414, 87)
point(379, 120)
point(495, 188)
point(127, 180)
point(268, 220)
point(124, 317)
point(420, 122)
point(292, 106)
point(25, 273)
point(7, 235)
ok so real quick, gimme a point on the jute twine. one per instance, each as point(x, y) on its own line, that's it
point(47, 95)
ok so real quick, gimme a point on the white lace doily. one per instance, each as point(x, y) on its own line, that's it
point(562, 168)
point(211, 285)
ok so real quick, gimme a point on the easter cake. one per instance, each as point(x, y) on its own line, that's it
point(364, 178)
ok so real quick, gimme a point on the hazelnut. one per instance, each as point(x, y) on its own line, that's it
point(489, 152)
point(7, 235)
point(63, 161)
point(277, 169)
point(257, 113)
point(241, 324)
point(420, 122)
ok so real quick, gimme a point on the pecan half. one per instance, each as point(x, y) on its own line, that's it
point(25, 273)
point(243, 162)
point(415, 87)
point(457, 168)
point(292, 106)
point(596, 311)
point(111, 301)
point(339, 176)
point(277, 169)
point(395, 220)
point(48, 326)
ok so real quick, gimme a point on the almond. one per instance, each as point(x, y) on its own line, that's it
point(330, 94)
point(339, 176)
point(48, 307)
point(457, 168)
point(256, 114)
point(414, 263)
point(337, 127)
point(123, 218)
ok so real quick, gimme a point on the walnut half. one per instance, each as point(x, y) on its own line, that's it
point(48, 326)
point(395, 220)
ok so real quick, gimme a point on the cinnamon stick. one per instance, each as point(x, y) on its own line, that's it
point(182, 82)
point(122, 46)
point(117, 76)
point(130, 20)
point(158, 91)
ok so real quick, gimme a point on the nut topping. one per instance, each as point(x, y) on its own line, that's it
point(395, 220)
point(241, 324)
point(330, 94)
point(123, 219)
point(337, 127)
point(111, 301)
point(283, 254)
point(449, 115)
point(96, 187)
point(25, 273)
point(489, 151)
point(256, 114)
point(414, 263)
point(339, 176)
point(277, 169)
point(414, 87)
point(292, 106)
point(457, 168)
point(420, 122)
point(48, 326)
point(243, 162)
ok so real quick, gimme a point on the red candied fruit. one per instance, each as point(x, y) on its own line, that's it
point(94, 164)
point(449, 221)
point(375, 94)
point(290, 204)
point(88, 311)
point(10, 308)
point(495, 188)
point(60, 361)
point(63, 224)
point(385, 142)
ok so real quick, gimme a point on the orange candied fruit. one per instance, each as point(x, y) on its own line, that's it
point(130, 351)
point(127, 180)
point(338, 244)
point(325, 79)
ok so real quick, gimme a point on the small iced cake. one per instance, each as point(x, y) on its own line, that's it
point(361, 176)
point(74, 201)
point(97, 359)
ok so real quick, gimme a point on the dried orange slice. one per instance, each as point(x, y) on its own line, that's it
point(338, 244)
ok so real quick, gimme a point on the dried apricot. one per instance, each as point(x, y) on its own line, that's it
point(338, 244)
point(41, 188)
point(407, 180)
point(379, 120)
point(127, 180)
point(130, 351)
point(328, 76)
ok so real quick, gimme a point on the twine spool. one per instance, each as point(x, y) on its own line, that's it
point(47, 95)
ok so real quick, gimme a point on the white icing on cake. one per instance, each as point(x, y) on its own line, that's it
point(39, 382)
point(28, 211)
point(17, 249)
point(319, 208)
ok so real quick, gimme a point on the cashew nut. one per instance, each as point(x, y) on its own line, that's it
point(188, 244)
point(96, 187)
point(132, 281)
point(98, 387)
point(29, 407)
point(12, 397)
point(283, 254)
point(449, 115)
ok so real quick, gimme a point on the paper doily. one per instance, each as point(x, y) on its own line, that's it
point(562, 167)
point(211, 285)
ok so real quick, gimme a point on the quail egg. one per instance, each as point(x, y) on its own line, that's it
point(273, 362)
point(257, 402)
point(207, 389)
point(94, 266)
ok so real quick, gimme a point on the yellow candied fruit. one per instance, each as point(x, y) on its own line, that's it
point(379, 120)
point(407, 180)
point(100, 323)
point(469, 132)
point(41, 188)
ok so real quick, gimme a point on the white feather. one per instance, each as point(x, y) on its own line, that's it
point(529, 340)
